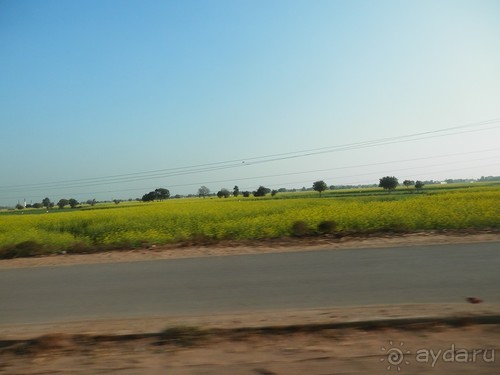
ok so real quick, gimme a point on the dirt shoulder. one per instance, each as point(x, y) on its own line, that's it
point(268, 343)
point(255, 319)
point(464, 350)
point(223, 248)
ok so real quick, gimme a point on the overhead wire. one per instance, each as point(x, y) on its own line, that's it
point(325, 170)
point(235, 163)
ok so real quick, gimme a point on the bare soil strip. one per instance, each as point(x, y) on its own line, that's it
point(264, 344)
point(258, 319)
point(223, 248)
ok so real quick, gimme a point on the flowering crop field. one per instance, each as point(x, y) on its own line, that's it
point(130, 225)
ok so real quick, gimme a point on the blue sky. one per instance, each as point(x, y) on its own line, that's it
point(92, 89)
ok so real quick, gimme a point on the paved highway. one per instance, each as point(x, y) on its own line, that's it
point(312, 279)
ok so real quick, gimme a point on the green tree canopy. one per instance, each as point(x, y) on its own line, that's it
point(223, 193)
point(62, 203)
point(149, 197)
point(320, 186)
point(162, 194)
point(46, 202)
point(408, 183)
point(159, 194)
point(389, 183)
point(261, 191)
point(203, 191)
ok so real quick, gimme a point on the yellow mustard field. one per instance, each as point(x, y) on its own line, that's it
point(184, 219)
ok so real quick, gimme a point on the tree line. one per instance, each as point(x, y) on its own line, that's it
point(47, 203)
point(388, 183)
point(262, 191)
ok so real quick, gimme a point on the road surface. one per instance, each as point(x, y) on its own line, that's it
point(312, 279)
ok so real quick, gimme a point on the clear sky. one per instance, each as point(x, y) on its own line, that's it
point(95, 89)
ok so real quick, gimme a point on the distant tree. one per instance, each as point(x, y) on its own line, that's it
point(331, 187)
point(46, 203)
point(236, 191)
point(388, 183)
point(223, 193)
point(62, 203)
point(203, 191)
point(274, 192)
point(261, 191)
point(408, 183)
point(159, 194)
point(37, 205)
point(281, 190)
point(92, 202)
point(320, 186)
point(73, 202)
point(246, 194)
point(149, 197)
point(117, 201)
point(489, 178)
point(419, 185)
point(162, 194)
point(19, 206)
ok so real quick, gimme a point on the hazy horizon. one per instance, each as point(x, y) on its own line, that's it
point(110, 100)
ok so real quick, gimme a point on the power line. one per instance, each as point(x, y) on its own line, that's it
point(340, 168)
point(315, 171)
point(440, 171)
point(383, 172)
point(236, 163)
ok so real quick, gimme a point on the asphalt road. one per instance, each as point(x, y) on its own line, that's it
point(312, 279)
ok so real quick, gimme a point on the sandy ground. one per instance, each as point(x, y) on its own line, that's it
point(432, 348)
point(135, 346)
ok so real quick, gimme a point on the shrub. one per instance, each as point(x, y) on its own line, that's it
point(79, 248)
point(327, 227)
point(300, 228)
point(22, 249)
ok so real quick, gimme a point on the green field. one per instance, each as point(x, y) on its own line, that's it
point(136, 224)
